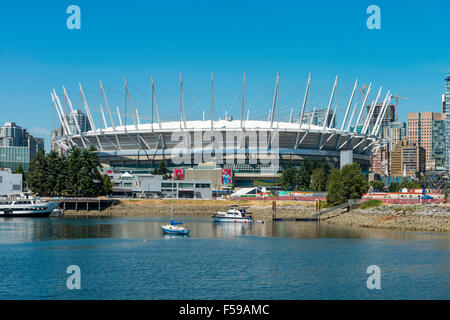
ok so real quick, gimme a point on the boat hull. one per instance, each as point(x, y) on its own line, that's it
point(39, 211)
point(180, 232)
point(232, 219)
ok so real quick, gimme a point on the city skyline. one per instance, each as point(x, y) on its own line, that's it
point(407, 55)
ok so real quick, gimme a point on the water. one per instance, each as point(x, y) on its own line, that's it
point(129, 258)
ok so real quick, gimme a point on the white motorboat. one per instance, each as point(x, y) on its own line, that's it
point(26, 208)
point(234, 214)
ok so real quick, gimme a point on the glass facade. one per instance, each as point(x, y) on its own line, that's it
point(438, 150)
point(17, 147)
point(13, 157)
point(447, 124)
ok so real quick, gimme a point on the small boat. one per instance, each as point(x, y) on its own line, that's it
point(33, 208)
point(176, 228)
point(234, 214)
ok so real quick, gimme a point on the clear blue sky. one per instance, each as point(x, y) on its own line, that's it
point(410, 55)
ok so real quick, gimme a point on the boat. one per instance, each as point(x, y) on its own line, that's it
point(34, 208)
point(234, 214)
point(176, 228)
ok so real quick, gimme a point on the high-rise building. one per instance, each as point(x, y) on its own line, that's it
point(447, 124)
point(75, 119)
point(17, 147)
point(395, 132)
point(406, 159)
point(379, 162)
point(420, 132)
point(82, 120)
point(388, 118)
point(318, 118)
point(438, 147)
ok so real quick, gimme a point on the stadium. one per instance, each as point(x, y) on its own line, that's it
point(254, 152)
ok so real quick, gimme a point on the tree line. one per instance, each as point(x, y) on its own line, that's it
point(76, 174)
point(314, 175)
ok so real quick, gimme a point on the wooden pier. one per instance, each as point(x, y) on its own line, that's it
point(77, 204)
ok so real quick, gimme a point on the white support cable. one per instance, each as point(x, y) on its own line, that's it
point(133, 114)
point(59, 114)
point(107, 105)
point(362, 107)
point(305, 98)
point(87, 109)
point(309, 127)
point(275, 96)
point(63, 116)
point(371, 111)
point(380, 115)
point(243, 102)
point(384, 114)
point(182, 101)
point(351, 118)
point(349, 105)
point(329, 104)
point(120, 118)
point(103, 116)
point(72, 111)
point(137, 117)
point(156, 103)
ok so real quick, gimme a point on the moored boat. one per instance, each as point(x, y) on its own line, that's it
point(234, 214)
point(33, 208)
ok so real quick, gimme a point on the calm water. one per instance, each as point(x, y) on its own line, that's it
point(129, 258)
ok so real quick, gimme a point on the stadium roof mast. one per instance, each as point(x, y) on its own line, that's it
point(274, 100)
point(243, 102)
point(328, 111)
point(131, 105)
point(362, 107)
point(107, 105)
point(63, 116)
point(212, 106)
point(349, 105)
point(183, 115)
point(156, 103)
point(86, 108)
point(371, 110)
point(300, 120)
point(72, 112)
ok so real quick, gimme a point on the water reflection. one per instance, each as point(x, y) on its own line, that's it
point(40, 229)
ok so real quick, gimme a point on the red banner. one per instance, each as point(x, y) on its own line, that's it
point(227, 176)
point(178, 174)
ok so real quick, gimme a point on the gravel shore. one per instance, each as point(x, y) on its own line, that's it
point(401, 217)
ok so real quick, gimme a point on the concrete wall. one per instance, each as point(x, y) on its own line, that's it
point(10, 182)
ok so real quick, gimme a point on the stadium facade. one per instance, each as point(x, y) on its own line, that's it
point(253, 151)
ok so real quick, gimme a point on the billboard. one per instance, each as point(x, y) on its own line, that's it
point(178, 174)
point(227, 176)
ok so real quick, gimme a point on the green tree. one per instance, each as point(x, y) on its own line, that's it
point(334, 187)
point(394, 187)
point(345, 184)
point(318, 179)
point(37, 174)
point(74, 166)
point(288, 177)
point(377, 185)
point(304, 174)
point(107, 185)
point(162, 170)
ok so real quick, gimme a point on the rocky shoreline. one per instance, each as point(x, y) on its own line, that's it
point(400, 217)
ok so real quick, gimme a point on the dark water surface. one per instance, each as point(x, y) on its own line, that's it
point(129, 258)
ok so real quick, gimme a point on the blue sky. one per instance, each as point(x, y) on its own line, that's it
point(410, 55)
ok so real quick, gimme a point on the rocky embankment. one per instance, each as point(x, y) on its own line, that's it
point(139, 208)
point(401, 217)
point(418, 218)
